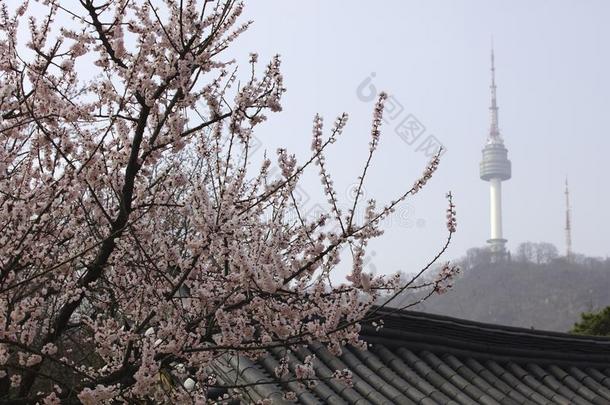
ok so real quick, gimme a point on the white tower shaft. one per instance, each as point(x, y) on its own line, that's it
point(495, 208)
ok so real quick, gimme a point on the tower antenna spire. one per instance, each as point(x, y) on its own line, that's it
point(494, 129)
point(568, 224)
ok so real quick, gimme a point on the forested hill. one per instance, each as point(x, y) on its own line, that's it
point(534, 289)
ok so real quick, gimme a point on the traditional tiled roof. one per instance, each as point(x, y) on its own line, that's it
point(419, 358)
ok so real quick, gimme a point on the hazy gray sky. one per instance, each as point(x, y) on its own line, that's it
point(552, 60)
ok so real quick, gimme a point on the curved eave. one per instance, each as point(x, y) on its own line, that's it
point(481, 340)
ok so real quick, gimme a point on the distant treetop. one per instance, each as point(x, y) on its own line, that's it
point(593, 323)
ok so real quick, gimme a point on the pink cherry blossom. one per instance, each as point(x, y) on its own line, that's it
point(141, 240)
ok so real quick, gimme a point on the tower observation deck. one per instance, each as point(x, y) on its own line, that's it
point(495, 168)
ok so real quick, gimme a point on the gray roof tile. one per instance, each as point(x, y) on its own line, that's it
point(425, 359)
point(590, 383)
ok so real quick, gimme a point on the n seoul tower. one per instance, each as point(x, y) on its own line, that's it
point(495, 168)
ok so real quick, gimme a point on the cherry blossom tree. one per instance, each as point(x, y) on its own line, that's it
point(140, 241)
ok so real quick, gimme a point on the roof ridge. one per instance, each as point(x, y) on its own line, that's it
point(398, 314)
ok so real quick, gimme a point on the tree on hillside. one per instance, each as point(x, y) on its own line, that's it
point(593, 323)
point(140, 241)
point(539, 253)
point(477, 257)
